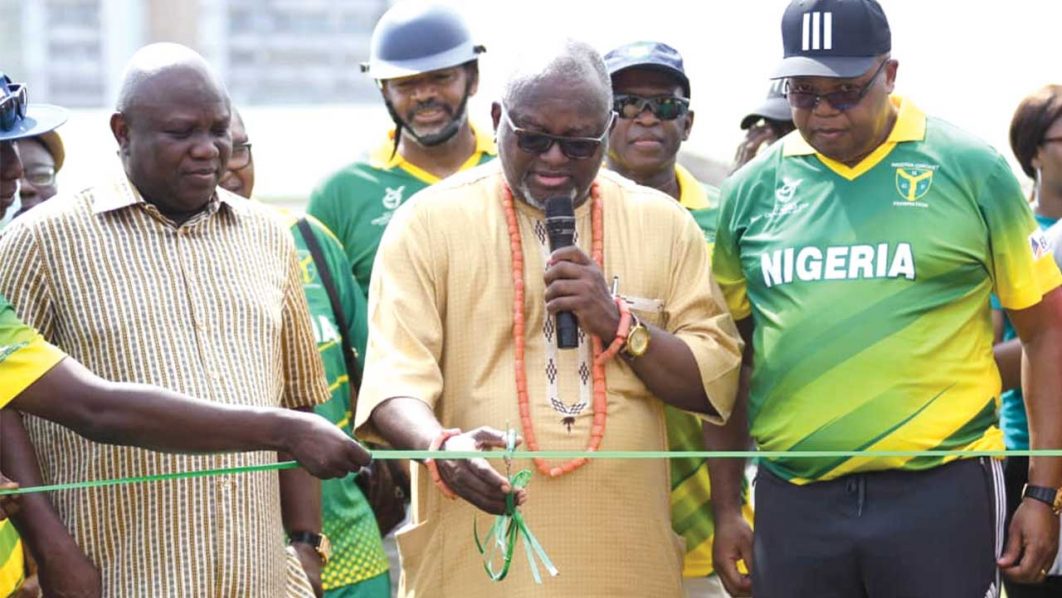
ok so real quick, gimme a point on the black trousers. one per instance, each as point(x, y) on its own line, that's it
point(890, 534)
point(1016, 473)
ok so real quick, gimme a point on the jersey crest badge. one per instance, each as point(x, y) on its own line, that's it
point(912, 183)
point(393, 197)
point(789, 186)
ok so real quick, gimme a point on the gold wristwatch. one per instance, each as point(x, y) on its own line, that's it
point(637, 339)
point(319, 542)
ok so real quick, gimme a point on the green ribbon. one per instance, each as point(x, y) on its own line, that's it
point(549, 455)
point(510, 525)
point(503, 534)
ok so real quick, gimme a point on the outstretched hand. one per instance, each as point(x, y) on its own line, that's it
point(475, 480)
point(9, 502)
point(322, 448)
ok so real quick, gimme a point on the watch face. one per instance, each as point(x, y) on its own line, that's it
point(325, 547)
point(638, 341)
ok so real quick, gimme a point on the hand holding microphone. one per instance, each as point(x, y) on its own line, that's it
point(576, 291)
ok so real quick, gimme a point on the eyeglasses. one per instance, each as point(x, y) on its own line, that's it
point(841, 100)
point(40, 176)
point(240, 157)
point(1050, 140)
point(575, 148)
point(13, 107)
point(664, 108)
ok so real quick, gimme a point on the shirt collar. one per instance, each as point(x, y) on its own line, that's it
point(692, 195)
point(910, 126)
point(119, 192)
point(383, 159)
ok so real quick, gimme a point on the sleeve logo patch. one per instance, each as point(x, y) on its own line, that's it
point(1038, 245)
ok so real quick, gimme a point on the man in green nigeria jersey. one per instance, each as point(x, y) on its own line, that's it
point(651, 95)
point(426, 65)
point(858, 255)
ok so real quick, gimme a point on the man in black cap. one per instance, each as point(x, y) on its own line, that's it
point(767, 123)
point(858, 257)
point(651, 97)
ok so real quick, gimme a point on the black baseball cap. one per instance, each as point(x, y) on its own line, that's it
point(648, 55)
point(775, 107)
point(832, 38)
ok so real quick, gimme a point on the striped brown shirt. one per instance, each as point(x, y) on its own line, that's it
point(213, 308)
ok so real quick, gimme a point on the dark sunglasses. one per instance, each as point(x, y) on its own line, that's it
point(840, 100)
point(575, 148)
point(664, 108)
point(13, 107)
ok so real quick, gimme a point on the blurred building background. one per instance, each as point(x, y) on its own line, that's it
point(71, 52)
point(292, 65)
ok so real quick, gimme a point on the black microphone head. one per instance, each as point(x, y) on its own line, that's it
point(559, 207)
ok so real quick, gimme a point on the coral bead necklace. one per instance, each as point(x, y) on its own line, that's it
point(600, 398)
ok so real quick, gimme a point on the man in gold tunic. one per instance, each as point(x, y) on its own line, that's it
point(442, 354)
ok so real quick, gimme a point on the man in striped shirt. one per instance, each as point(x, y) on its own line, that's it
point(156, 276)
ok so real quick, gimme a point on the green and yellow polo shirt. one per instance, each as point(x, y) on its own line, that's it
point(24, 358)
point(24, 355)
point(357, 202)
point(691, 489)
point(702, 201)
point(869, 286)
point(347, 518)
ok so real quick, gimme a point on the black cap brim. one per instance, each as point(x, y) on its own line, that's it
point(826, 66)
point(772, 108)
point(40, 118)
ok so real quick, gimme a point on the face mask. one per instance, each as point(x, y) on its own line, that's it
point(12, 209)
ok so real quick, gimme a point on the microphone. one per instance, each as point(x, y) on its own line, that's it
point(560, 223)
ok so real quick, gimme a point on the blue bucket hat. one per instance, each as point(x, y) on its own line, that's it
point(19, 119)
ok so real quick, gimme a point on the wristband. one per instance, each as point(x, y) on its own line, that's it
point(436, 445)
point(621, 333)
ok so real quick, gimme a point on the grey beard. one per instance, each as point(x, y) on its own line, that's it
point(530, 200)
point(534, 202)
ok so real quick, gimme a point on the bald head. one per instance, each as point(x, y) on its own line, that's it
point(172, 127)
point(569, 62)
point(153, 72)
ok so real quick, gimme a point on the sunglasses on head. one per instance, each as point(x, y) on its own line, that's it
point(575, 148)
point(664, 108)
point(841, 100)
point(13, 106)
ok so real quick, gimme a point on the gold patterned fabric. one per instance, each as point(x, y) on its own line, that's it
point(440, 331)
point(213, 308)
